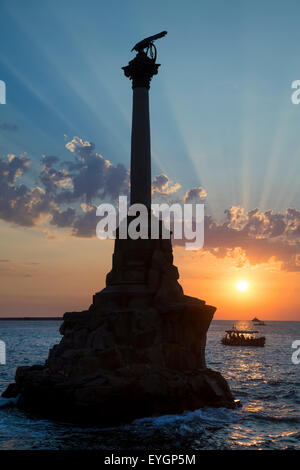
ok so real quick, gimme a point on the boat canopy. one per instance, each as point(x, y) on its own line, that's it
point(242, 331)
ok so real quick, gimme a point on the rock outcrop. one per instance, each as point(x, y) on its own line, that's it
point(116, 366)
point(138, 351)
point(140, 348)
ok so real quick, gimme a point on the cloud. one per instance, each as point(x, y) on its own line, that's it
point(65, 195)
point(20, 204)
point(82, 224)
point(64, 218)
point(52, 178)
point(195, 195)
point(13, 167)
point(255, 222)
point(88, 178)
point(261, 235)
point(85, 223)
point(163, 186)
point(92, 176)
point(293, 219)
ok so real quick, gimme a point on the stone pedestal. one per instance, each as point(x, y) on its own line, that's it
point(138, 351)
point(117, 365)
point(142, 274)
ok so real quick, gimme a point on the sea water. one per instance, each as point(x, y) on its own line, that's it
point(264, 379)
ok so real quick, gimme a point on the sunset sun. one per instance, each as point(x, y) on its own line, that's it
point(242, 285)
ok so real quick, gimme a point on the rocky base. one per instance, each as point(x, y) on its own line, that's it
point(115, 366)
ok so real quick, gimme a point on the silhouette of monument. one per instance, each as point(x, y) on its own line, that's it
point(142, 271)
point(140, 348)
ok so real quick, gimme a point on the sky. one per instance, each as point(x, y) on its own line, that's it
point(222, 126)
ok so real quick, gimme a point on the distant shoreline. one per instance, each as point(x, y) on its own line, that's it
point(61, 319)
point(30, 318)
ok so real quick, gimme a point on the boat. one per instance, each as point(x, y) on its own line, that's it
point(258, 322)
point(236, 337)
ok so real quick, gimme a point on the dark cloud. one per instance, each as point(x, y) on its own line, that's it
point(49, 160)
point(63, 218)
point(293, 218)
point(163, 186)
point(20, 204)
point(261, 235)
point(7, 126)
point(195, 195)
point(53, 178)
point(92, 176)
point(88, 178)
point(254, 236)
point(85, 223)
point(13, 167)
point(160, 182)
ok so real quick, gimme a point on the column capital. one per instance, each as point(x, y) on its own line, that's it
point(141, 70)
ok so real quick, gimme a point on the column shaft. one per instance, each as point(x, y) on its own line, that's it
point(140, 179)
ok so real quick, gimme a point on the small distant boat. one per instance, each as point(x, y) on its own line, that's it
point(258, 322)
point(236, 337)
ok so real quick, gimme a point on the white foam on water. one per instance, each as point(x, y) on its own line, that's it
point(208, 415)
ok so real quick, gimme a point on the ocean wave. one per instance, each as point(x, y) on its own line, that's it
point(240, 393)
point(266, 381)
point(207, 415)
point(274, 419)
point(5, 402)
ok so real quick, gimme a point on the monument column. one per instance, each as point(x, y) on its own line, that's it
point(140, 70)
point(139, 350)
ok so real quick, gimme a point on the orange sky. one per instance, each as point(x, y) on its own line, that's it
point(273, 294)
point(65, 148)
point(43, 276)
